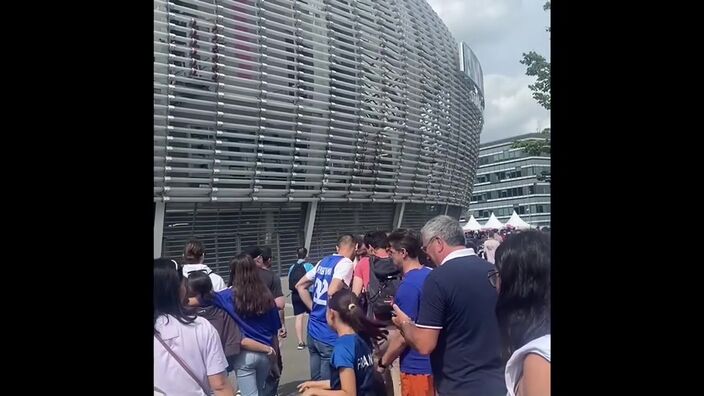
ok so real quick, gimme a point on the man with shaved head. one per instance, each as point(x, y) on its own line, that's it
point(331, 274)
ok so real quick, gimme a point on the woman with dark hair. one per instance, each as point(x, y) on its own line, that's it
point(252, 306)
point(352, 365)
point(523, 311)
point(200, 300)
point(188, 356)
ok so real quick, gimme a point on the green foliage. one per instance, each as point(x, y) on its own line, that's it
point(535, 147)
point(540, 68)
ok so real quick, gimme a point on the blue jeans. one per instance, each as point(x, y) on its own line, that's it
point(320, 354)
point(251, 369)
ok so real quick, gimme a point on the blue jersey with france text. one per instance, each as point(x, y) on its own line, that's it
point(317, 324)
point(350, 351)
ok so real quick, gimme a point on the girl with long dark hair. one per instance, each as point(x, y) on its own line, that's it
point(200, 301)
point(523, 311)
point(252, 306)
point(188, 356)
point(352, 365)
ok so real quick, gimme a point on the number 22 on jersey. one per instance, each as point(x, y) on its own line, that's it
point(321, 291)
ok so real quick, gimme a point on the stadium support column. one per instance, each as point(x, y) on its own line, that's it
point(398, 214)
point(446, 208)
point(158, 227)
point(310, 223)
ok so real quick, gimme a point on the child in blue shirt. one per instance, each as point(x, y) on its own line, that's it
point(352, 366)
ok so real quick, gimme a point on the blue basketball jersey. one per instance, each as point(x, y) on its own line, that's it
point(317, 324)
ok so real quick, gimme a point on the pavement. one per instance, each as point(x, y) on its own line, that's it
point(296, 363)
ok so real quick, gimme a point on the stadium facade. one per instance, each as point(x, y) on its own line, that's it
point(286, 123)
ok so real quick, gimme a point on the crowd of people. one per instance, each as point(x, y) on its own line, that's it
point(400, 313)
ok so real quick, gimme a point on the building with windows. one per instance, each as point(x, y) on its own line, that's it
point(509, 179)
point(287, 123)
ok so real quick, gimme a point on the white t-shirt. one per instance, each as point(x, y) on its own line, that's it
point(197, 344)
point(514, 366)
point(218, 282)
point(343, 270)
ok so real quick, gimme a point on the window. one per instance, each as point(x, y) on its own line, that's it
point(514, 174)
point(539, 209)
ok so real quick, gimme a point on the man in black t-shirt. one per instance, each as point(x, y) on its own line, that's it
point(456, 322)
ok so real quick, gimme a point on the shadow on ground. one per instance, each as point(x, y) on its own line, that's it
point(289, 389)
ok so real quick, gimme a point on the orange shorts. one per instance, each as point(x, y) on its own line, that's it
point(417, 385)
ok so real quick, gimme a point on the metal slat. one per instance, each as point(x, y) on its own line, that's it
point(225, 70)
point(416, 215)
point(227, 229)
point(335, 219)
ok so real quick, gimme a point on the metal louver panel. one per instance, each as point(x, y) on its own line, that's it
point(227, 229)
point(335, 219)
point(454, 211)
point(317, 100)
point(415, 215)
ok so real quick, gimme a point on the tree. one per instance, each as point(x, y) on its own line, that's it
point(538, 66)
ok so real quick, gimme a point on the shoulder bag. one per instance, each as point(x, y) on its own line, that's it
point(183, 364)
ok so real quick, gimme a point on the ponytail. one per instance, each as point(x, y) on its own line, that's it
point(346, 304)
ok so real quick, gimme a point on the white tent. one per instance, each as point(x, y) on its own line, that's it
point(472, 225)
point(517, 222)
point(493, 223)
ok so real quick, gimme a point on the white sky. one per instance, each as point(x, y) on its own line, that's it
point(499, 31)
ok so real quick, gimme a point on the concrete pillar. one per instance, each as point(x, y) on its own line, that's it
point(398, 215)
point(310, 223)
point(158, 227)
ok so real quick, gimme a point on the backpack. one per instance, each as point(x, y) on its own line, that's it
point(384, 279)
point(297, 272)
point(228, 330)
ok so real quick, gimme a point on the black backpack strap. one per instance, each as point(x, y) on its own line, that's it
point(372, 297)
point(200, 270)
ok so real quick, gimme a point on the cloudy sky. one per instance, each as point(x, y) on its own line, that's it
point(499, 31)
